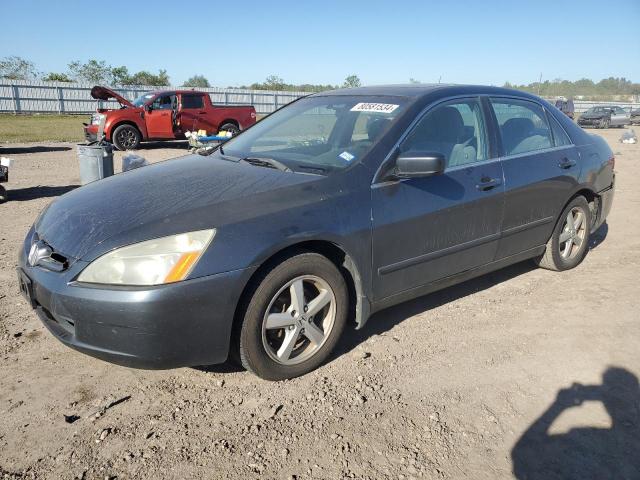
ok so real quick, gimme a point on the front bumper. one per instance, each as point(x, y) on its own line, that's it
point(589, 121)
point(90, 132)
point(181, 324)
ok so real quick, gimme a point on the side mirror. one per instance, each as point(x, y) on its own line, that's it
point(418, 164)
point(148, 108)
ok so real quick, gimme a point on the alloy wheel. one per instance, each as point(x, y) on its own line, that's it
point(299, 319)
point(127, 138)
point(573, 233)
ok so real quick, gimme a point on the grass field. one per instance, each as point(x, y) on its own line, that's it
point(41, 128)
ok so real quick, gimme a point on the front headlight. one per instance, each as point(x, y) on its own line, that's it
point(96, 118)
point(154, 262)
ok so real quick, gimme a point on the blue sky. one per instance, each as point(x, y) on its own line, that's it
point(483, 42)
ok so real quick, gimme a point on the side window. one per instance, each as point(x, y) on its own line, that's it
point(455, 129)
point(560, 137)
point(164, 102)
point(192, 101)
point(523, 126)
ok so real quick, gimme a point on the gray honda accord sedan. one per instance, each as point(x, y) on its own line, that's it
point(334, 207)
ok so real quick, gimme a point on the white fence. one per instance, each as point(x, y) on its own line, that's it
point(60, 97)
point(18, 96)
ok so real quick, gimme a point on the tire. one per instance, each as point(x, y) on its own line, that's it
point(556, 256)
point(230, 127)
point(604, 123)
point(277, 338)
point(126, 137)
point(3, 194)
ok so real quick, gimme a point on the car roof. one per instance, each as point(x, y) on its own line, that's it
point(420, 90)
point(170, 92)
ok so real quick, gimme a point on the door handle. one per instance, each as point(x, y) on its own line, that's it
point(566, 163)
point(202, 113)
point(165, 115)
point(487, 184)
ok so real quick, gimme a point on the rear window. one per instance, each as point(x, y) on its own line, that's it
point(192, 101)
point(523, 126)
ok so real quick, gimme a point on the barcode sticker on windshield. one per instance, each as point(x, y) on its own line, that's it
point(374, 107)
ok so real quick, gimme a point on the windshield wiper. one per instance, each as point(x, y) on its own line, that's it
point(267, 162)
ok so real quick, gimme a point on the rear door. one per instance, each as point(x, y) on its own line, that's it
point(159, 119)
point(425, 229)
point(619, 116)
point(541, 170)
point(193, 112)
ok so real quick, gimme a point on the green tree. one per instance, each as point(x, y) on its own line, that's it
point(148, 79)
point(57, 77)
point(352, 81)
point(119, 75)
point(197, 81)
point(17, 68)
point(93, 71)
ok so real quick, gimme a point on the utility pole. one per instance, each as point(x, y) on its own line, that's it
point(539, 83)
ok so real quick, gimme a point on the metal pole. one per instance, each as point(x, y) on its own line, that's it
point(60, 100)
point(16, 98)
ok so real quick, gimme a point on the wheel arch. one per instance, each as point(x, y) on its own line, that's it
point(593, 199)
point(229, 120)
point(359, 307)
point(113, 128)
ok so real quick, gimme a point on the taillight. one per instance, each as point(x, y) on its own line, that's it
point(253, 114)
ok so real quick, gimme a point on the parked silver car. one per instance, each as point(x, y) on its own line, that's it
point(604, 117)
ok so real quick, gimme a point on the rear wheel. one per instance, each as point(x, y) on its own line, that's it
point(294, 317)
point(126, 137)
point(230, 127)
point(569, 242)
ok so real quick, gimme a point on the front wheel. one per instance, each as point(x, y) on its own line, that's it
point(604, 123)
point(126, 137)
point(569, 242)
point(294, 317)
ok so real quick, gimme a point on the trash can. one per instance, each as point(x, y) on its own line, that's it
point(96, 162)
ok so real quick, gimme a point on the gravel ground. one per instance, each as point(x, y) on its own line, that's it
point(475, 381)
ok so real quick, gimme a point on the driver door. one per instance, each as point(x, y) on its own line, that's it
point(425, 229)
point(159, 119)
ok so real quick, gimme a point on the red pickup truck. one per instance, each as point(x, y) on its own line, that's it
point(163, 115)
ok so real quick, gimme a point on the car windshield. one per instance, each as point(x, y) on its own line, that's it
point(143, 99)
point(319, 134)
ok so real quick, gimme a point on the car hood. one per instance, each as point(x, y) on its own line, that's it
point(104, 93)
point(176, 196)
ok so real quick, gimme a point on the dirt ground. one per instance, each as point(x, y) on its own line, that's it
point(475, 381)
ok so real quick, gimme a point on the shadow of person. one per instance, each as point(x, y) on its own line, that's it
point(590, 452)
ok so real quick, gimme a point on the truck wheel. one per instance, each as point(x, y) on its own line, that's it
point(126, 137)
point(230, 127)
point(569, 241)
point(294, 317)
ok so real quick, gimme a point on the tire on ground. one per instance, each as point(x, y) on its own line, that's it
point(126, 137)
point(552, 258)
point(230, 127)
point(250, 348)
